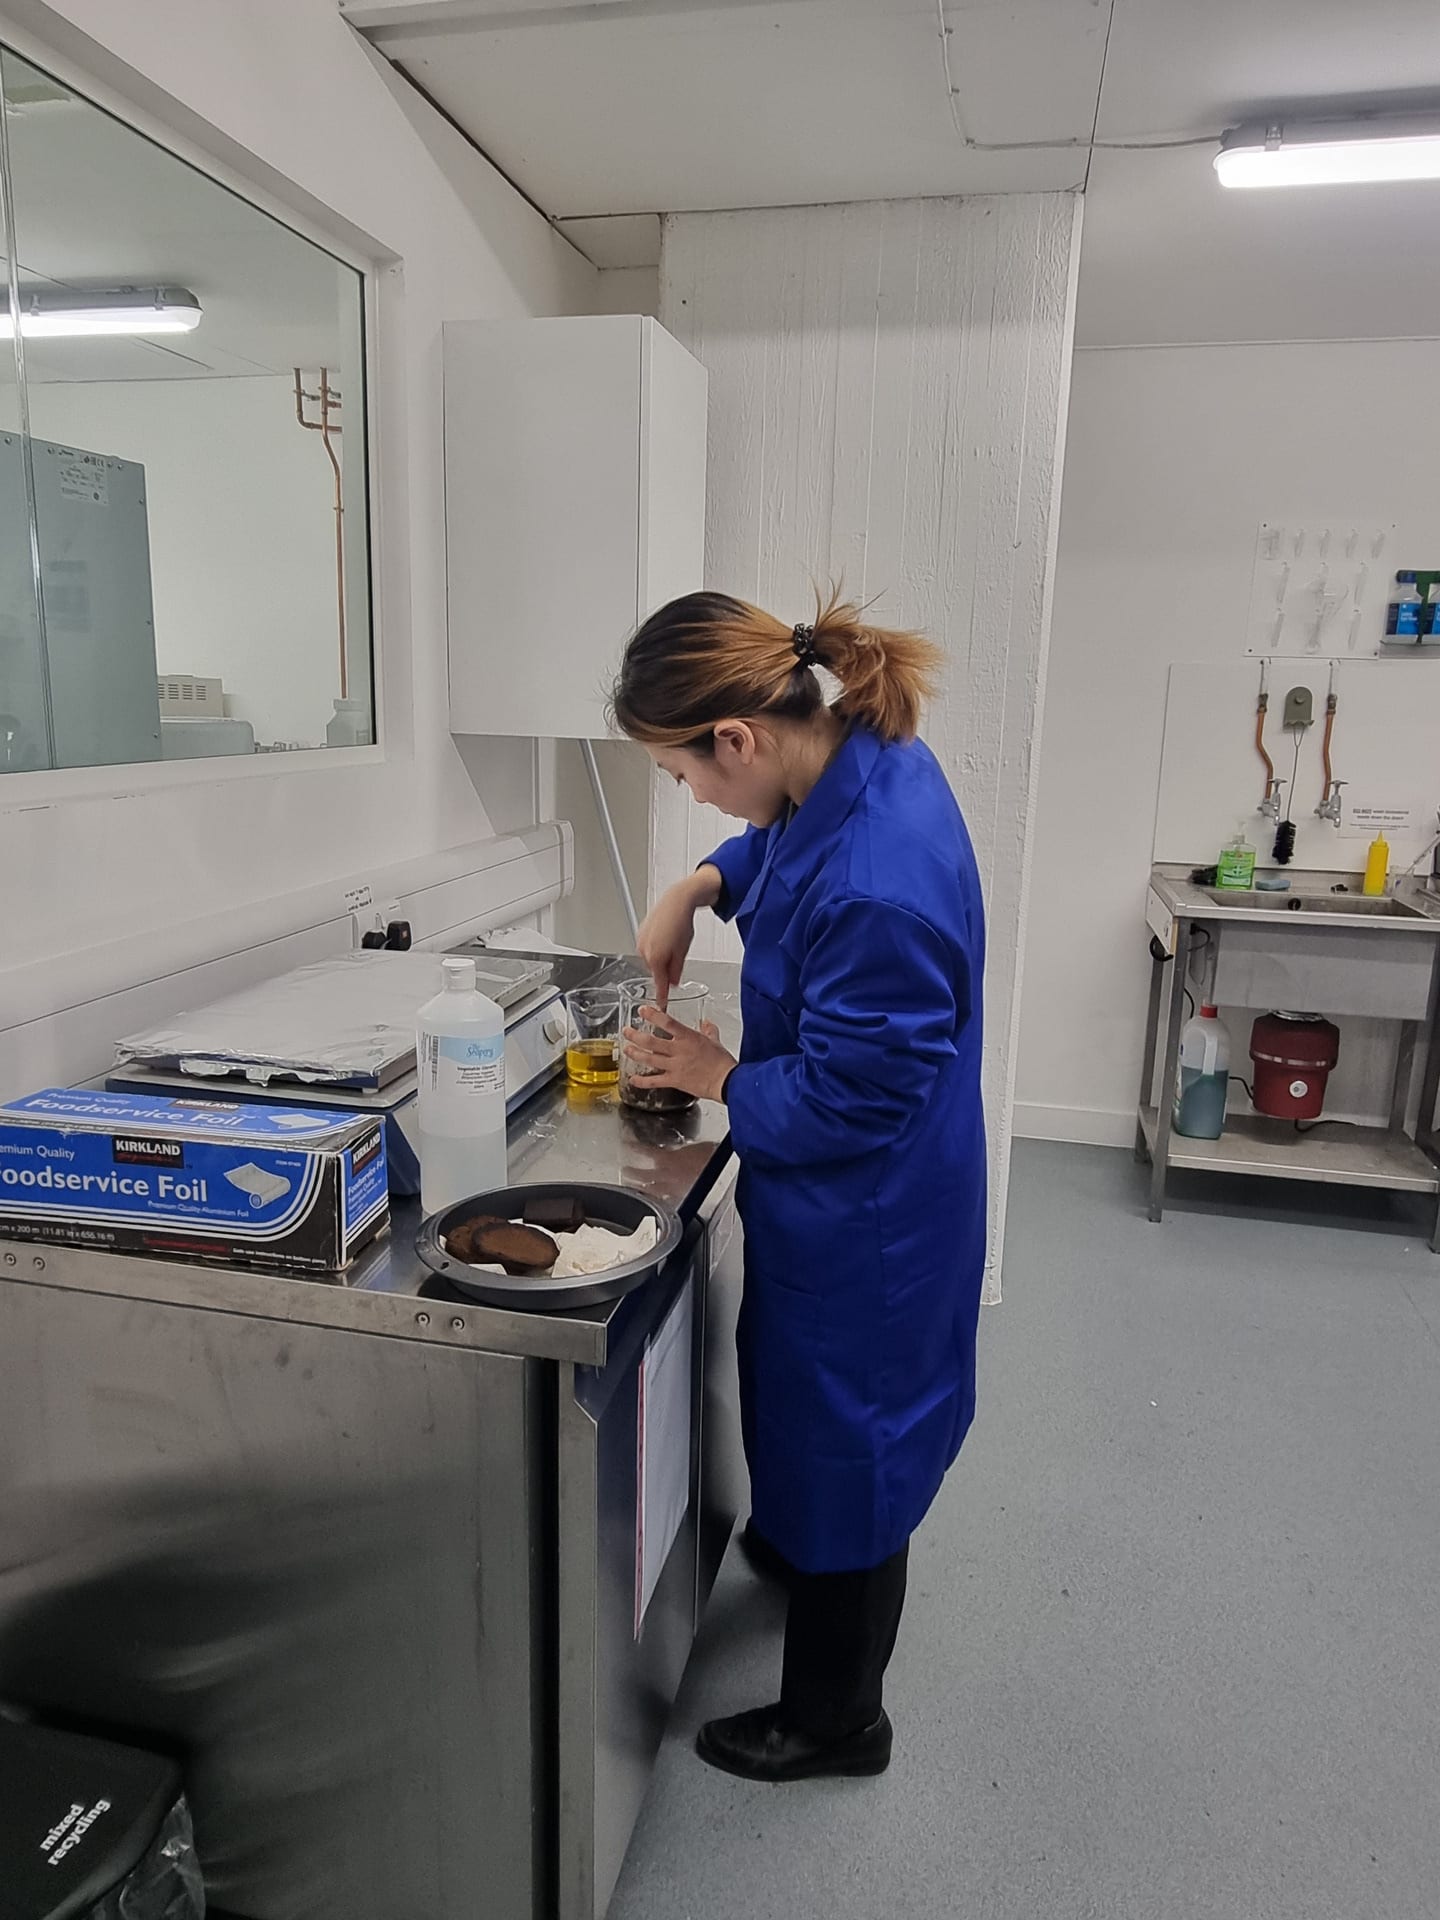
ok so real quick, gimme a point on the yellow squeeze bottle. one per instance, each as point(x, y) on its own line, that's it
point(1377, 866)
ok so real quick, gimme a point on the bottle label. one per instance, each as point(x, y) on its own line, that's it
point(1407, 617)
point(461, 1065)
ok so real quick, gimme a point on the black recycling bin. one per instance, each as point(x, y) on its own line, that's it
point(92, 1831)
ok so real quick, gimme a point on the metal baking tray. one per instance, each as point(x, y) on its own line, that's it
point(618, 1207)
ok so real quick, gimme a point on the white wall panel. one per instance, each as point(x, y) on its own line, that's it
point(1176, 455)
point(888, 387)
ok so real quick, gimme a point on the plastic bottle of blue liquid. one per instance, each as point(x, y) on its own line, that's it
point(1402, 621)
point(1204, 1083)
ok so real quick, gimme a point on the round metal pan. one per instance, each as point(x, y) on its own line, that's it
point(604, 1206)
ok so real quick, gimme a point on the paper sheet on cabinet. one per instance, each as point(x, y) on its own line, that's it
point(662, 1462)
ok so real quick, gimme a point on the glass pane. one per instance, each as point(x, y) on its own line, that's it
point(24, 730)
point(194, 372)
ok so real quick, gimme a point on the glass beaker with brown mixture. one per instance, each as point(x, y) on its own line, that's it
point(686, 1006)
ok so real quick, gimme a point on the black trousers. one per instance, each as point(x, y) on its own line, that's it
point(839, 1635)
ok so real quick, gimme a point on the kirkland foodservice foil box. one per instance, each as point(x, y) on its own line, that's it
point(215, 1179)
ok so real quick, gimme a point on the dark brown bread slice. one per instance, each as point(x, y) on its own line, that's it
point(522, 1251)
point(562, 1214)
point(460, 1240)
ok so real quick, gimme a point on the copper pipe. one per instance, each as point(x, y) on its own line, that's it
point(339, 528)
point(329, 401)
point(1330, 705)
point(1260, 712)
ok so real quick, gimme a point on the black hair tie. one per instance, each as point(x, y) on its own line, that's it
point(804, 643)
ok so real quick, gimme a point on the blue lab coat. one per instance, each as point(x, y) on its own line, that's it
point(856, 1116)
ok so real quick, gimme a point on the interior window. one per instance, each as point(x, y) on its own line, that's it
point(184, 552)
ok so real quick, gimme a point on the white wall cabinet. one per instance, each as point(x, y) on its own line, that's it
point(574, 506)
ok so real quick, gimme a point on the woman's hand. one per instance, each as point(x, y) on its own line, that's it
point(668, 930)
point(688, 1058)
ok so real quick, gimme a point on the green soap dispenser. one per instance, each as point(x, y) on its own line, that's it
point(1235, 869)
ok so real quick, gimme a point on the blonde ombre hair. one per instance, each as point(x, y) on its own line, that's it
point(707, 658)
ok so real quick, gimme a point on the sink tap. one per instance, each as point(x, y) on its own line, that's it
point(1331, 807)
point(1269, 807)
point(1432, 854)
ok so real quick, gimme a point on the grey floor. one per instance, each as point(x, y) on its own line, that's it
point(1173, 1645)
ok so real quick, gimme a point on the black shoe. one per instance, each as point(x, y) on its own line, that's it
point(762, 1558)
point(758, 1746)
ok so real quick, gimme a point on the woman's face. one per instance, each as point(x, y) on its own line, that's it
point(743, 777)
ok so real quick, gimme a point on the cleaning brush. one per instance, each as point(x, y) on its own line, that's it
point(1285, 832)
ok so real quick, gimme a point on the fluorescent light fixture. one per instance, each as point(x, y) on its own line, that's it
point(1323, 153)
point(75, 313)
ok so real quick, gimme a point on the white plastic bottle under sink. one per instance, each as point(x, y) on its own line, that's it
point(460, 1054)
point(1204, 1078)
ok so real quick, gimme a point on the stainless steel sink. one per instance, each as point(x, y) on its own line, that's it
point(1357, 905)
point(1346, 906)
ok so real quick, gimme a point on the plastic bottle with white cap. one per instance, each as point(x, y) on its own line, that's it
point(460, 1054)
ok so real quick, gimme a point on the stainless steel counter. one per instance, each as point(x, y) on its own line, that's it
point(1322, 947)
point(371, 1557)
point(561, 1135)
point(1410, 907)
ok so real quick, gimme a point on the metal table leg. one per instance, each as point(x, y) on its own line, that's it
point(1404, 1074)
point(1159, 960)
point(1425, 1130)
point(1164, 1105)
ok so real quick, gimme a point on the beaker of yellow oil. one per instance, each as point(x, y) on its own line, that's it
point(592, 1045)
point(593, 1063)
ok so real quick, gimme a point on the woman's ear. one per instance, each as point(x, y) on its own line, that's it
point(735, 743)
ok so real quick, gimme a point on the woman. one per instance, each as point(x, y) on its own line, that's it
point(854, 1110)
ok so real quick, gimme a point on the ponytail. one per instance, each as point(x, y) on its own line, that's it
point(708, 658)
point(886, 675)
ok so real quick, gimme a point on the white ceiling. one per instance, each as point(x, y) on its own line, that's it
point(98, 204)
point(1203, 63)
point(645, 106)
point(613, 111)
point(617, 239)
point(652, 106)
